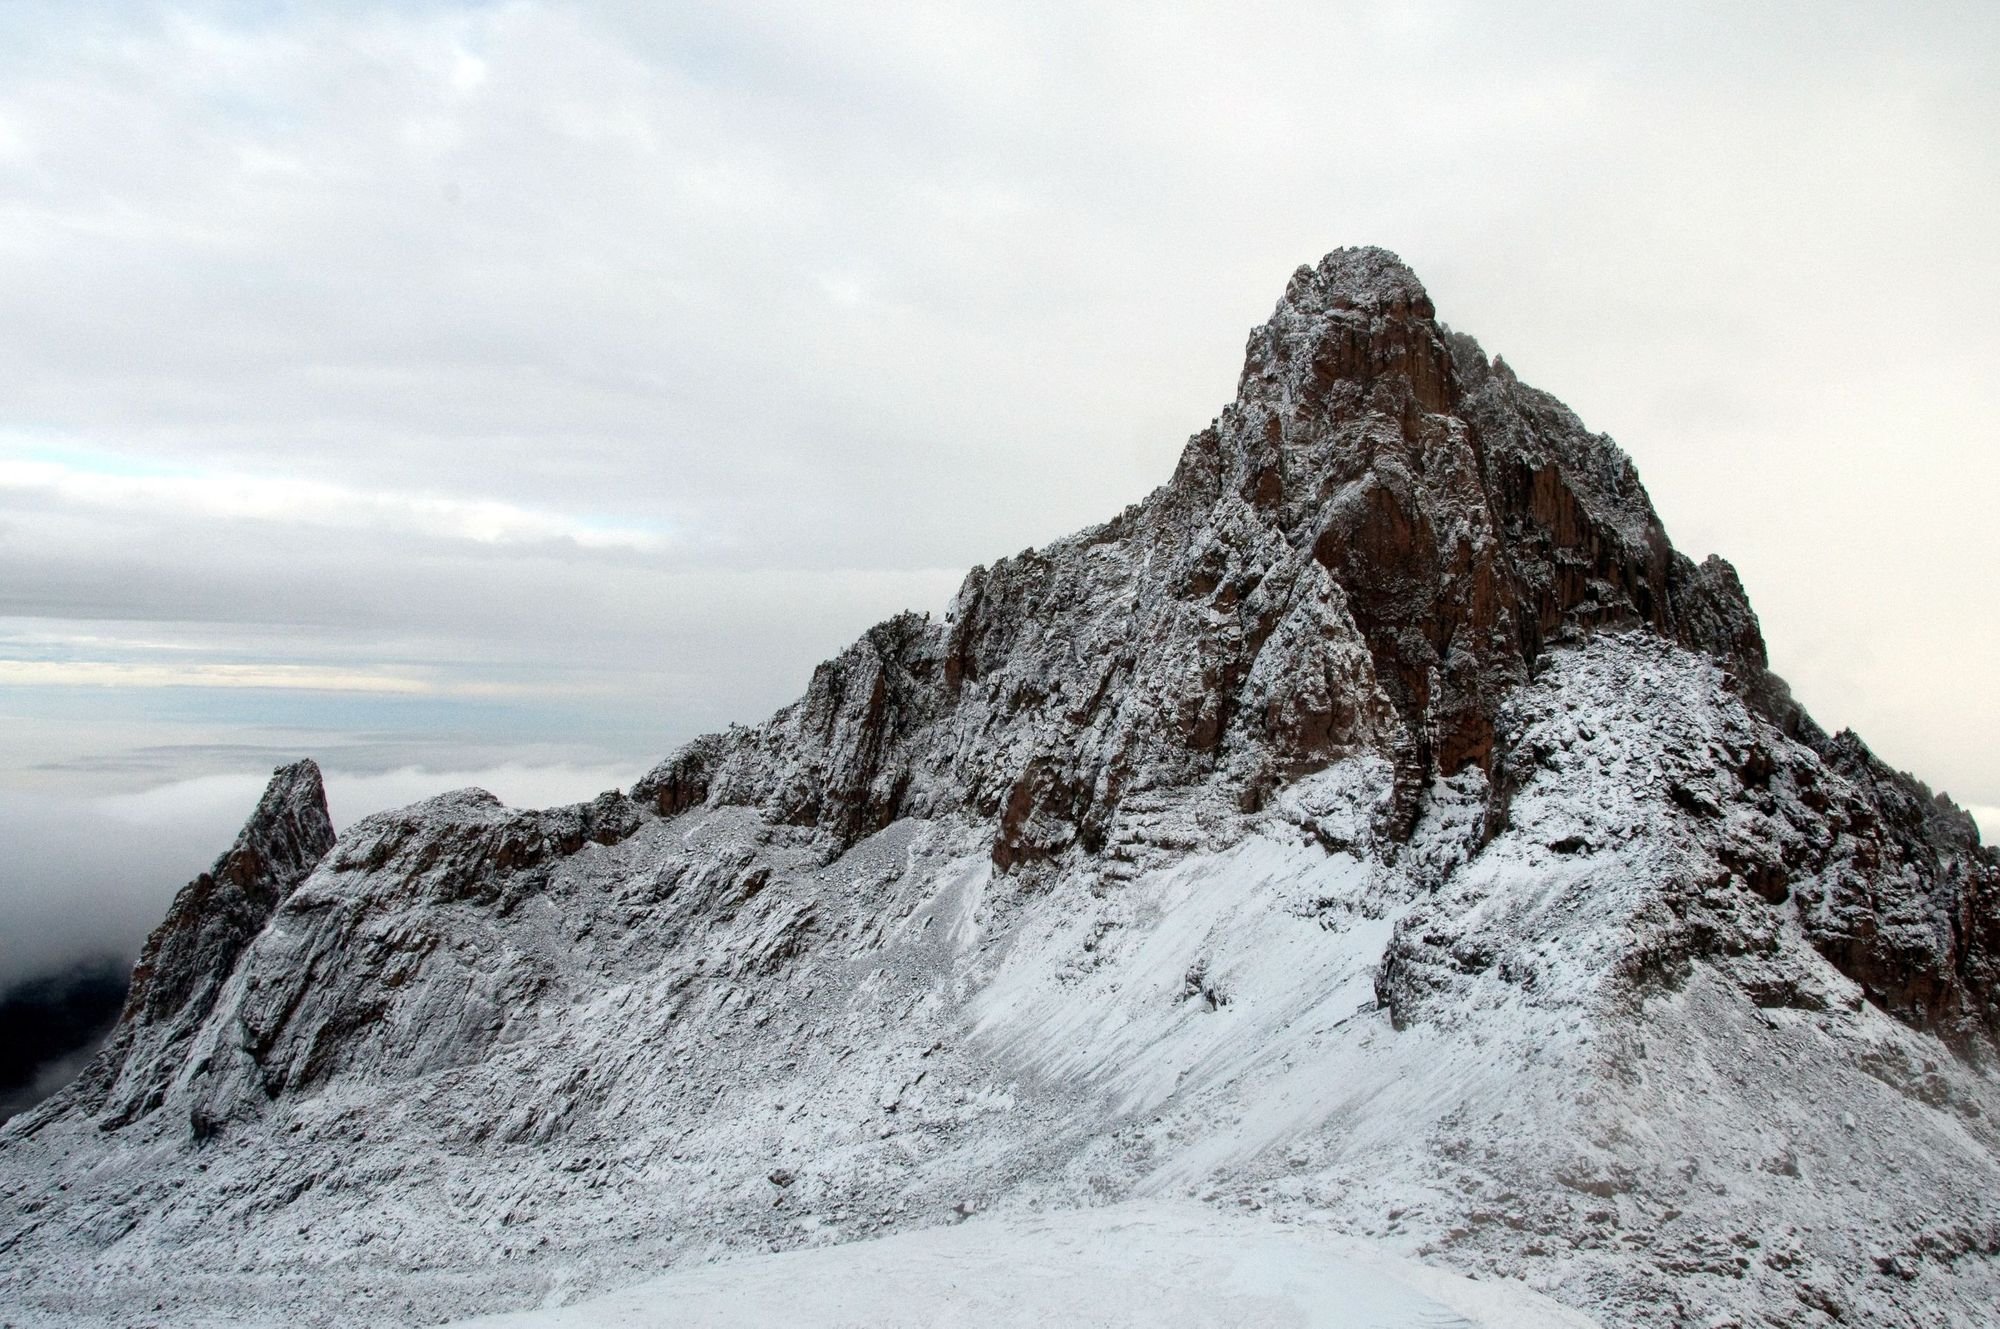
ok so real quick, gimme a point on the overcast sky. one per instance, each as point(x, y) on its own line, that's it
point(509, 392)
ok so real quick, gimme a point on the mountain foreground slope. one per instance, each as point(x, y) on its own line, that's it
point(1380, 826)
point(1146, 1264)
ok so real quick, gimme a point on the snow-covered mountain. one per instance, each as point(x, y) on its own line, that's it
point(1378, 828)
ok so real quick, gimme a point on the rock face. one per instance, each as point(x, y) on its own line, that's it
point(1379, 821)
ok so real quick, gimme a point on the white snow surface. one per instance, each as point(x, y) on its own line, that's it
point(1157, 1264)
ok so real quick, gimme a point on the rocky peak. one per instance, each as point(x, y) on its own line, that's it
point(1367, 550)
point(1367, 553)
point(191, 955)
point(285, 837)
point(1359, 317)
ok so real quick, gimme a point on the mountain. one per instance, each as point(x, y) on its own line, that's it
point(1380, 826)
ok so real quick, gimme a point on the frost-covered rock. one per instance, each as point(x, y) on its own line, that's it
point(1380, 822)
point(189, 961)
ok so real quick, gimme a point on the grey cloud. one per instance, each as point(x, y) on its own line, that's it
point(80, 883)
point(336, 596)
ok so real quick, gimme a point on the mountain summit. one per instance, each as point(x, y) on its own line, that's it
point(1380, 823)
point(1368, 550)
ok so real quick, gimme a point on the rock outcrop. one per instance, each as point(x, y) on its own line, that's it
point(1379, 821)
point(191, 956)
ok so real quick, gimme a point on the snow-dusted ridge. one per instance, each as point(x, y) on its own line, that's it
point(1379, 826)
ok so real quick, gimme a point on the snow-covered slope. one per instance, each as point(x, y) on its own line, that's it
point(1156, 1265)
point(1378, 826)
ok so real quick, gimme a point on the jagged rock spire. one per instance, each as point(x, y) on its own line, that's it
point(1366, 550)
point(1359, 316)
point(192, 953)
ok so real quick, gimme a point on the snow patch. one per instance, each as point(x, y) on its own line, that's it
point(1159, 1264)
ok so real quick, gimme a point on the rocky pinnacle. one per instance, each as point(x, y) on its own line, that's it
point(191, 955)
